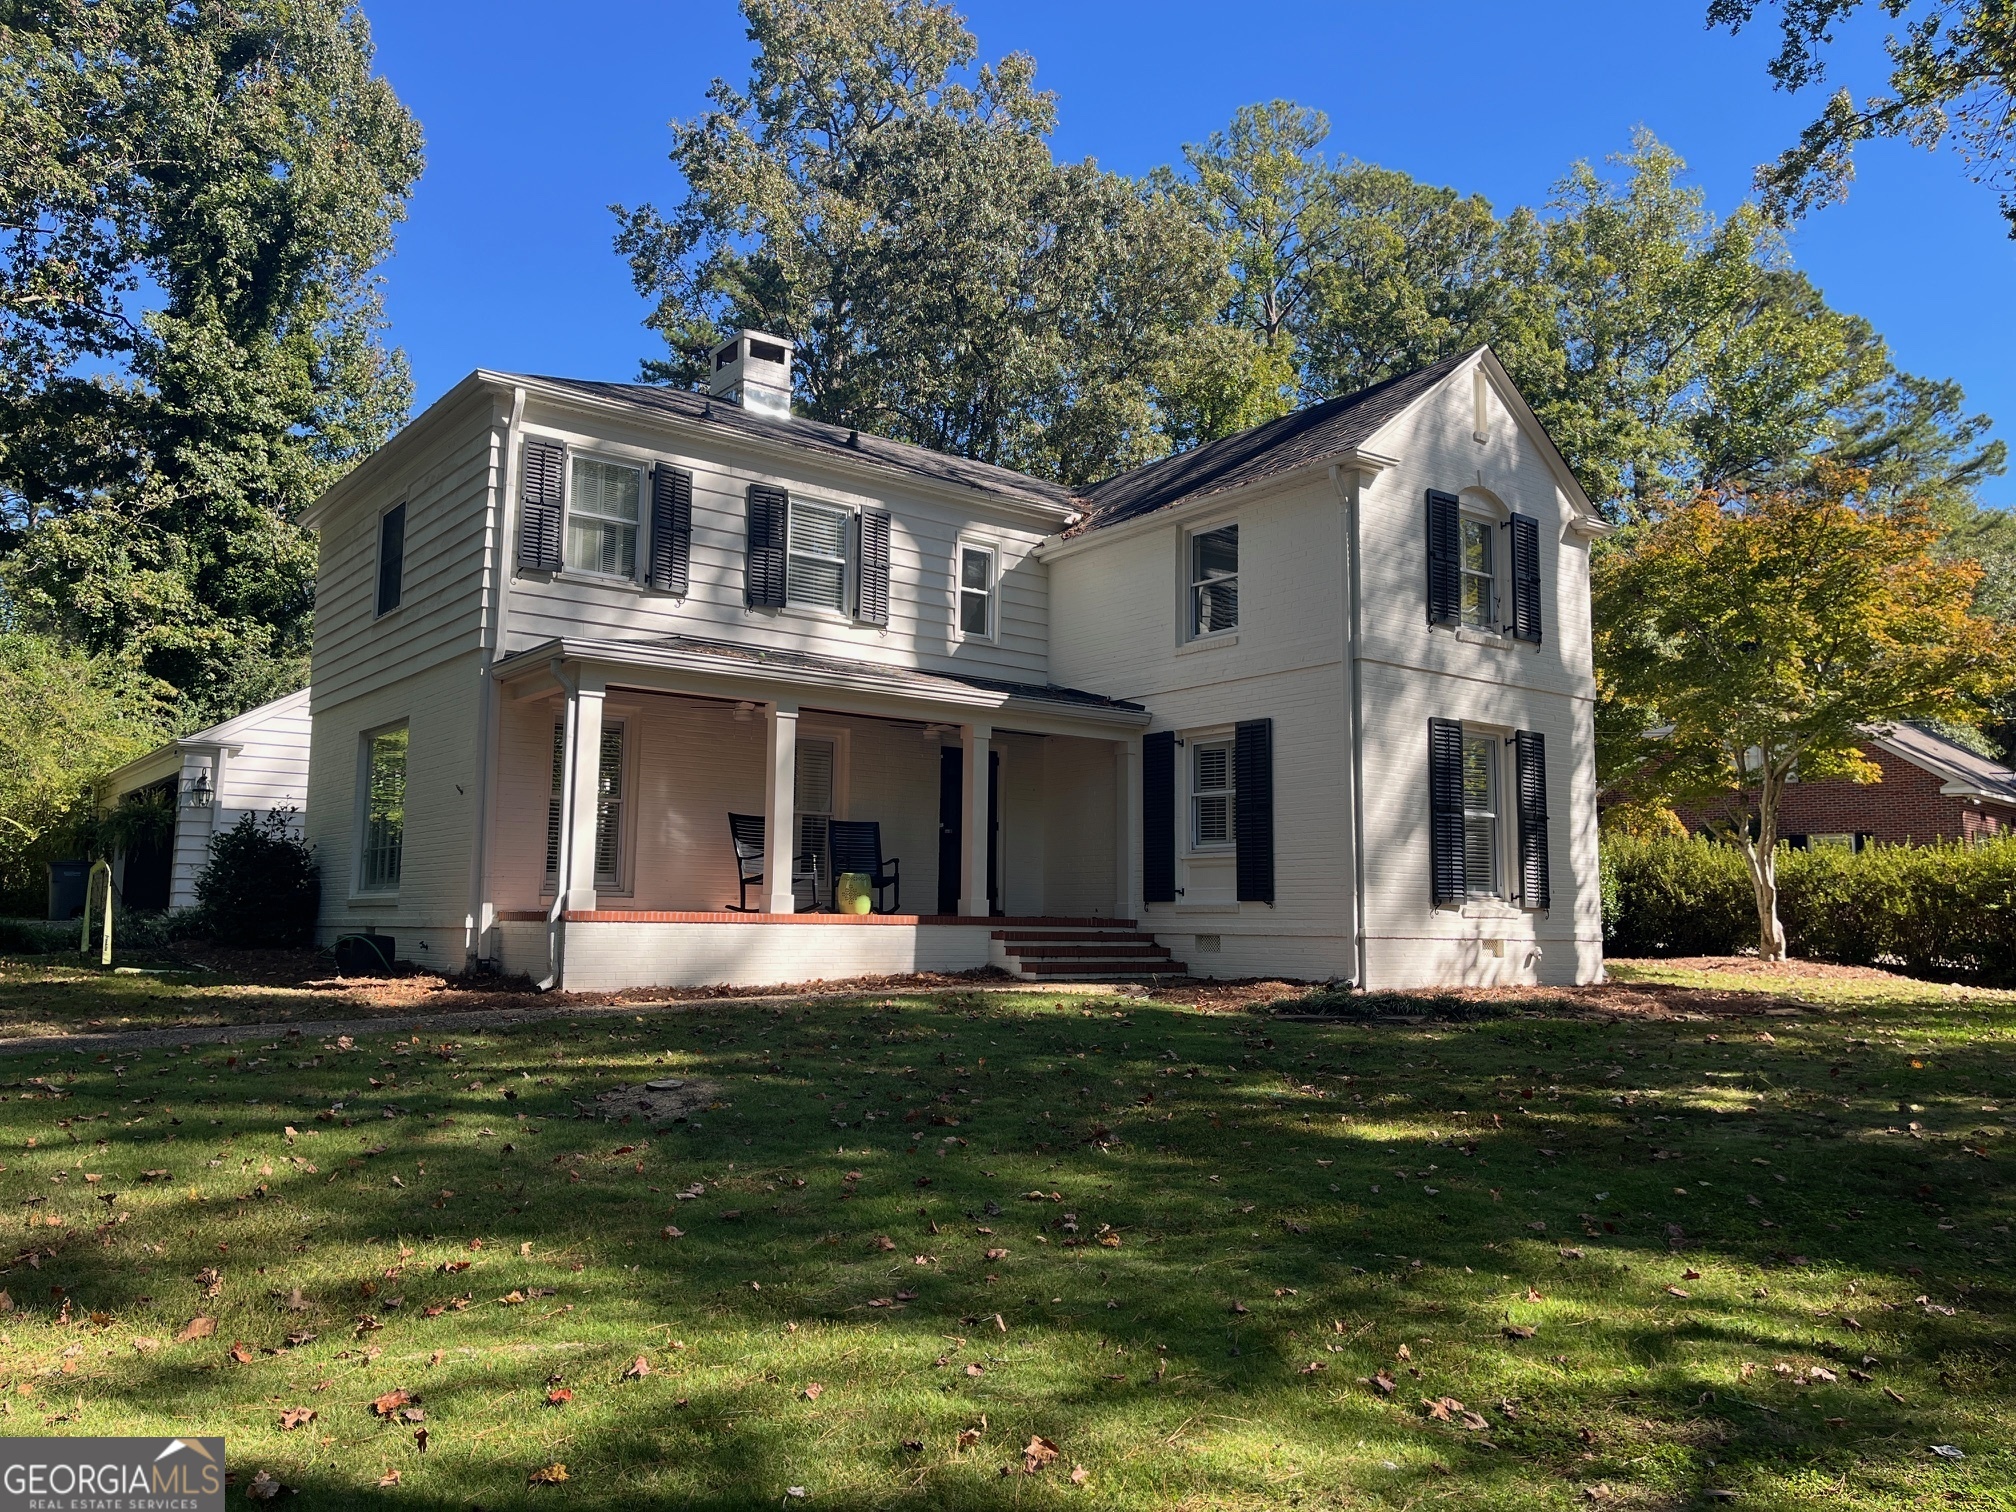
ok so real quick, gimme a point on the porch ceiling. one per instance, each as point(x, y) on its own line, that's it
point(723, 669)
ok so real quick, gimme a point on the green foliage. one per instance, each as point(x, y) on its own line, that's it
point(261, 886)
point(196, 197)
point(65, 719)
point(897, 214)
point(1952, 81)
point(1930, 909)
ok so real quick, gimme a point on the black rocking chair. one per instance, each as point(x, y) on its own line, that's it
point(855, 845)
point(746, 831)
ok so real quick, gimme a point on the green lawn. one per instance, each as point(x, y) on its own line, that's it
point(1223, 1239)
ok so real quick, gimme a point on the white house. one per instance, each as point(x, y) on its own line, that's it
point(254, 763)
point(1311, 701)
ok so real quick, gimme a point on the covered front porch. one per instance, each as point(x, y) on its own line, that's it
point(1003, 814)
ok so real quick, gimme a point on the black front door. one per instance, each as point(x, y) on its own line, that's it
point(150, 853)
point(951, 825)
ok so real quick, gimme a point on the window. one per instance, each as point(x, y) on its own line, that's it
point(976, 592)
point(1214, 581)
point(812, 800)
point(816, 574)
point(608, 806)
point(1211, 795)
point(602, 509)
point(1480, 815)
point(1480, 579)
point(391, 557)
point(384, 828)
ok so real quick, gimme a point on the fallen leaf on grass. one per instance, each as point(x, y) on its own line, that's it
point(997, 1254)
point(671, 1231)
point(976, 1370)
point(1569, 1253)
point(814, 1391)
point(197, 1328)
point(1383, 1384)
point(1312, 1367)
point(391, 1402)
point(295, 1417)
point(389, 1478)
point(451, 1267)
point(1674, 1291)
point(1079, 1475)
point(1517, 1331)
point(639, 1368)
point(559, 1396)
point(968, 1437)
point(1894, 1395)
point(547, 1475)
point(1440, 1408)
point(1690, 1274)
point(1037, 1453)
point(241, 1353)
point(264, 1487)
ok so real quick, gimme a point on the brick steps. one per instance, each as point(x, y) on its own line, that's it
point(1116, 953)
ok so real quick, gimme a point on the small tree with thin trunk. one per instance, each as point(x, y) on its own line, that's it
point(1744, 642)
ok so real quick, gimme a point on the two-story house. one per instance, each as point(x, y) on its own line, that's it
point(617, 685)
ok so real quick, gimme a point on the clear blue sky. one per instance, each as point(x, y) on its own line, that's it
point(538, 117)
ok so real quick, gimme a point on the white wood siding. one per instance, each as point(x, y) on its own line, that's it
point(923, 544)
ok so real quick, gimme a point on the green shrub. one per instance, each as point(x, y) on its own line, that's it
point(1929, 908)
point(1676, 897)
point(260, 886)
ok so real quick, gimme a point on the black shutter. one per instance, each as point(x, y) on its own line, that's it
point(1445, 560)
point(539, 496)
point(1158, 817)
point(874, 592)
point(391, 558)
point(1526, 578)
point(671, 529)
point(769, 520)
point(1445, 810)
point(1531, 780)
point(1253, 808)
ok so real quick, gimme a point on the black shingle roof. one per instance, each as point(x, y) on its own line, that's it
point(815, 436)
point(1323, 430)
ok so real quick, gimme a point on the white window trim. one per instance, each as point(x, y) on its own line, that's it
point(1186, 633)
point(959, 590)
point(1486, 509)
point(379, 616)
point(849, 611)
point(1229, 847)
point(361, 811)
point(643, 555)
point(629, 718)
point(1499, 893)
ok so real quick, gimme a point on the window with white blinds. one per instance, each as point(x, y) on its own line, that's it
point(608, 806)
point(1211, 795)
point(812, 798)
point(1480, 816)
point(816, 573)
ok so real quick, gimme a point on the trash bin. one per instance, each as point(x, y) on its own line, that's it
point(67, 882)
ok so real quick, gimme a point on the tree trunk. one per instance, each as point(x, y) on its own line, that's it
point(1762, 855)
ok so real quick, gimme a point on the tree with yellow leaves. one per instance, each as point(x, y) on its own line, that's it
point(1745, 639)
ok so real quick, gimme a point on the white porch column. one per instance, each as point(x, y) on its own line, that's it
point(974, 740)
point(1127, 829)
point(780, 804)
point(577, 838)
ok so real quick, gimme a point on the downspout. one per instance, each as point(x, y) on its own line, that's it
point(494, 612)
point(1354, 635)
point(563, 869)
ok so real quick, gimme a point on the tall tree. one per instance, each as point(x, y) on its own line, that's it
point(191, 210)
point(896, 212)
point(1761, 633)
point(1952, 81)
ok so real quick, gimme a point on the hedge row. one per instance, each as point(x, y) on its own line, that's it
point(1934, 908)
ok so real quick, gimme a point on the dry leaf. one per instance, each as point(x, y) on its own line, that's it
point(264, 1487)
point(241, 1353)
point(1439, 1408)
point(295, 1417)
point(814, 1391)
point(391, 1402)
point(547, 1475)
point(1037, 1453)
point(997, 1254)
point(1674, 1291)
point(197, 1328)
point(975, 1370)
point(968, 1437)
point(1403, 1352)
point(639, 1368)
point(671, 1231)
point(1383, 1384)
point(389, 1478)
point(559, 1396)
point(1079, 1475)
point(1517, 1331)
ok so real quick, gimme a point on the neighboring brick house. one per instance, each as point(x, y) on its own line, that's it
point(1932, 790)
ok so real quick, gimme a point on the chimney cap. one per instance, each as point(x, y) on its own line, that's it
point(753, 369)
